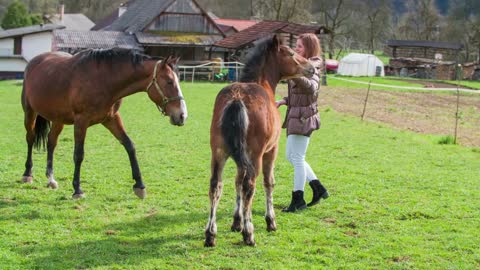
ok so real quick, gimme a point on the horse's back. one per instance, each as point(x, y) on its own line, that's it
point(264, 118)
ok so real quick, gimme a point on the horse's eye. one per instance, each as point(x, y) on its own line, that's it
point(170, 82)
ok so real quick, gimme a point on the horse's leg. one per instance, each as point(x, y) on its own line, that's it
point(55, 130)
point(237, 225)
point(29, 123)
point(218, 163)
point(247, 192)
point(80, 131)
point(115, 125)
point(268, 184)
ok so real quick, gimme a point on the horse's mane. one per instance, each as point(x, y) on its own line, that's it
point(256, 59)
point(112, 56)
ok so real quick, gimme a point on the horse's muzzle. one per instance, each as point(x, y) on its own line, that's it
point(178, 119)
point(309, 71)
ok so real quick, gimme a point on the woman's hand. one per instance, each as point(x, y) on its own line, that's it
point(280, 102)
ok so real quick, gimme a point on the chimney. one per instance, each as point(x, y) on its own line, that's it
point(121, 9)
point(61, 12)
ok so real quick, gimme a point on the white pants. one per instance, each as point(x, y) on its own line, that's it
point(296, 149)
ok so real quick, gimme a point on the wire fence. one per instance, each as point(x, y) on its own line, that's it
point(456, 90)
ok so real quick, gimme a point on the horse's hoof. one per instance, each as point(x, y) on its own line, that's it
point(52, 185)
point(210, 242)
point(236, 227)
point(27, 179)
point(271, 225)
point(250, 242)
point(140, 192)
point(78, 196)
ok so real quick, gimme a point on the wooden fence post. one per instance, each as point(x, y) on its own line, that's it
point(457, 115)
point(366, 100)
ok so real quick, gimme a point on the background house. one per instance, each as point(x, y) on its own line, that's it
point(165, 27)
point(74, 22)
point(239, 43)
point(18, 46)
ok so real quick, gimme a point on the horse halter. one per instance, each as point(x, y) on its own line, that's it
point(165, 100)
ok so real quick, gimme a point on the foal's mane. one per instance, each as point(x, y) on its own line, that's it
point(113, 56)
point(256, 60)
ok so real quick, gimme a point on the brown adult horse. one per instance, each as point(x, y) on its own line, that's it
point(246, 126)
point(87, 89)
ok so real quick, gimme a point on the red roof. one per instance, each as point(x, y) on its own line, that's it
point(239, 25)
point(265, 28)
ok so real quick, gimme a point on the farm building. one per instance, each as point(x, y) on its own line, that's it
point(239, 42)
point(360, 64)
point(19, 45)
point(162, 27)
point(423, 59)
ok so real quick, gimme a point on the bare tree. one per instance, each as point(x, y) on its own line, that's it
point(282, 10)
point(377, 14)
point(463, 26)
point(335, 15)
point(421, 21)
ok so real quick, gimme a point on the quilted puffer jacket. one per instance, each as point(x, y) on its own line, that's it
point(302, 116)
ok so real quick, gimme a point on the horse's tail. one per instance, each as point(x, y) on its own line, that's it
point(234, 126)
point(42, 127)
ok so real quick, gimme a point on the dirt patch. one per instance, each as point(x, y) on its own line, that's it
point(429, 113)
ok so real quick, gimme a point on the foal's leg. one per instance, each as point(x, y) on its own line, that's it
point(247, 192)
point(29, 123)
point(55, 130)
point(80, 131)
point(217, 165)
point(115, 125)
point(268, 184)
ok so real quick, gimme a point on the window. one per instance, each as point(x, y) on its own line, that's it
point(17, 46)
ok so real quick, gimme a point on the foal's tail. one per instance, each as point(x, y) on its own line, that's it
point(234, 126)
point(42, 127)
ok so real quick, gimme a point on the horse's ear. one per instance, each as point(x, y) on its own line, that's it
point(173, 61)
point(165, 61)
point(276, 42)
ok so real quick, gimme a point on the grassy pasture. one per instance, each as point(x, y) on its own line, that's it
point(399, 200)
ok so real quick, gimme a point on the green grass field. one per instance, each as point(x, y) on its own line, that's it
point(399, 200)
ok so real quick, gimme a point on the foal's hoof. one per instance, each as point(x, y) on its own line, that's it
point(210, 242)
point(27, 179)
point(140, 192)
point(52, 185)
point(78, 196)
point(271, 225)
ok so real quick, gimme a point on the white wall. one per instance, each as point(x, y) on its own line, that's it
point(6, 47)
point(35, 44)
point(16, 64)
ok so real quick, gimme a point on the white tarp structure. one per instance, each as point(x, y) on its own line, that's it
point(359, 64)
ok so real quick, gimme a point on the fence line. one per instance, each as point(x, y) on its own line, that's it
point(210, 66)
point(457, 90)
point(408, 87)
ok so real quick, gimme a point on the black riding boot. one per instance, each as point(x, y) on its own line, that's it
point(319, 192)
point(298, 203)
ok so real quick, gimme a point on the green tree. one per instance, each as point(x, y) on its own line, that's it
point(16, 16)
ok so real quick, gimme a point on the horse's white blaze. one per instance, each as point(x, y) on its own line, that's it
point(183, 104)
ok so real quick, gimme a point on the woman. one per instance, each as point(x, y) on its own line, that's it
point(300, 121)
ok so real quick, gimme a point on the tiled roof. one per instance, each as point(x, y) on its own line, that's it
point(74, 22)
point(239, 25)
point(29, 30)
point(183, 39)
point(138, 15)
point(424, 44)
point(64, 39)
point(265, 28)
